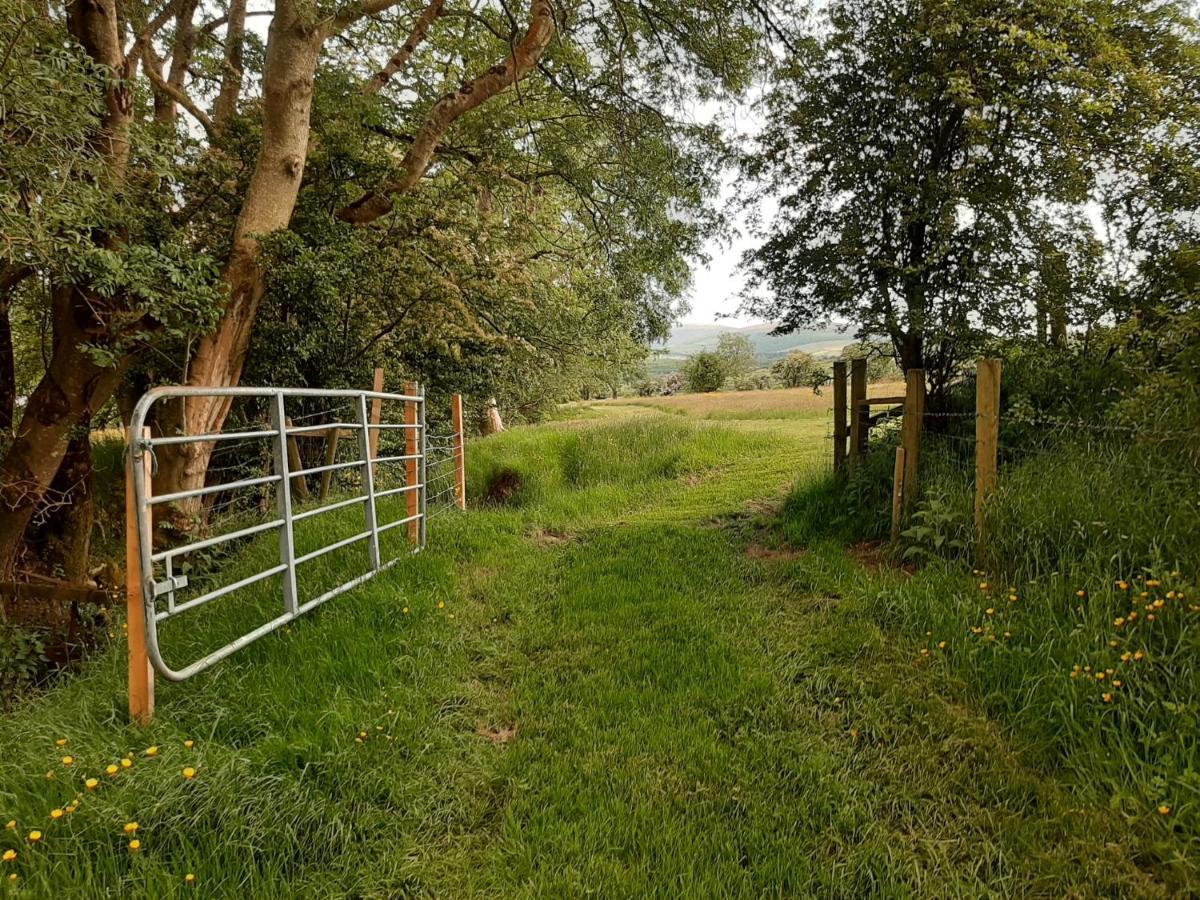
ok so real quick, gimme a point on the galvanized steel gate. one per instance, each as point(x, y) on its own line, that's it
point(161, 581)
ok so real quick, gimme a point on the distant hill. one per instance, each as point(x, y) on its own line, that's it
point(687, 339)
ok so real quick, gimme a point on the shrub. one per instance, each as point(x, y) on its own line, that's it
point(800, 369)
point(705, 371)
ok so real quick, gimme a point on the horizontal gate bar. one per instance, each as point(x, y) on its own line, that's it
point(316, 470)
point(221, 591)
point(309, 513)
point(305, 429)
point(214, 488)
point(205, 438)
point(404, 521)
point(329, 548)
point(215, 540)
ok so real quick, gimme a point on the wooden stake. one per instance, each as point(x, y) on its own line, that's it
point(460, 453)
point(839, 415)
point(914, 415)
point(299, 485)
point(859, 411)
point(376, 413)
point(897, 493)
point(411, 448)
point(141, 674)
point(331, 446)
point(987, 435)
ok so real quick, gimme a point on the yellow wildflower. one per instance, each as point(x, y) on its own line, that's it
point(189, 773)
point(10, 855)
point(941, 645)
point(152, 751)
point(1152, 582)
point(1123, 585)
point(189, 878)
point(56, 814)
point(1099, 676)
point(983, 585)
point(68, 760)
point(1107, 698)
point(441, 604)
point(131, 827)
point(91, 784)
point(1164, 810)
point(1081, 593)
point(61, 742)
point(127, 763)
point(189, 743)
point(1139, 656)
point(35, 836)
point(135, 845)
point(1119, 621)
point(406, 610)
point(111, 770)
point(12, 825)
point(990, 611)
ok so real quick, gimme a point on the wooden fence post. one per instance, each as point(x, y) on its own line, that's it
point(376, 413)
point(914, 415)
point(141, 674)
point(411, 449)
point(331, 446)
point(460, 452)
point(839, 415)
point(299, 485)
point(987, 434)
point(897, 494)
point(858, 410)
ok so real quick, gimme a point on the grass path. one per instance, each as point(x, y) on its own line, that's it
point(625, 692)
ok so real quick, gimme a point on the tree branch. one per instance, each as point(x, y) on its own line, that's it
point(400, 57)
point(520, 62)
point(176, 94)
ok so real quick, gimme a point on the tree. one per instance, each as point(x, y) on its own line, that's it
point(738, 354)
point(166, 146)
point(705, 371)
point(879, 354)
point(921, 140)
point(800, 369)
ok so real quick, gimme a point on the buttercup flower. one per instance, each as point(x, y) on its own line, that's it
point(135, 845)
point(189, 773)
point(35, 836)
point(56, 814)
point(131, 827)
point(10, 855)
point(91, 784)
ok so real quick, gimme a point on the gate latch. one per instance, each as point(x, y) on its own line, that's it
point(174, 583)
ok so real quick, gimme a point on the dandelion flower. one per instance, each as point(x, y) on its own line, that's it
point(152, 751)
point(189, 743)
point(10, 855)
point(189, 878)
point(131, 827)
point(35, 836)
point(68, 760)
point(56, 814)
point(135, 845)
point(111, 770)
point(127, 763)
point(189, 773)
point(91, 784)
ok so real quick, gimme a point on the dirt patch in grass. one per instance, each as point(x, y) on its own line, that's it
point(874, 555)
point(759, 551)
point(550, 537)
point(503, 486)
point(497, 734)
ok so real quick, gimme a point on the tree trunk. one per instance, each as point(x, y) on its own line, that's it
point(71, 390)
point(63, 540)
point(493, 424)
point(293, 46)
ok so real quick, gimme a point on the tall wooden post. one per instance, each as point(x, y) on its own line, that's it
point(858, 410)
point(141, 674)
point(910, 436)
point(411, 449)
point(987, 434)
point(839, 415)
point(376, 413)
point(460, 453)
point(897, 494)
point(299, 485)
point(331, 447)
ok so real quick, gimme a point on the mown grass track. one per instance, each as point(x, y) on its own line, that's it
point(614, 684)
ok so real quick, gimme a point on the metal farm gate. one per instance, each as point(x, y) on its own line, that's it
point(314, 472)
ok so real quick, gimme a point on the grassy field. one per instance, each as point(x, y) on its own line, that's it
point(620, 681)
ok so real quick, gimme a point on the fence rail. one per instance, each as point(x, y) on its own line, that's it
point(256, 486)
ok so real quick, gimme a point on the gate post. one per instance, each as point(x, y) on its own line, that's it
point(914, 416)
point(839, 416)
point(987, 435)
point(410, 465)
point(460, 454)
point(858, 411)
point(284, 444)
point(368, 477)
point(141, 674)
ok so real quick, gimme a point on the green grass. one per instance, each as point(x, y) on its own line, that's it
point(630, 690)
